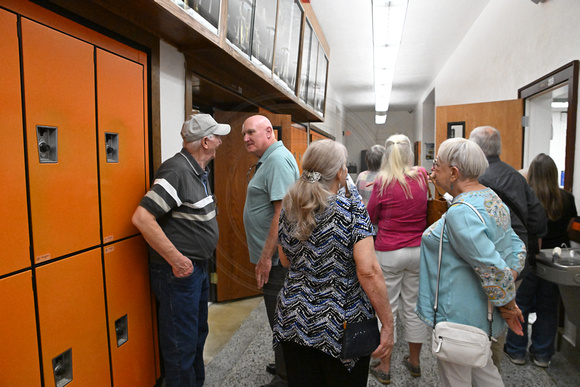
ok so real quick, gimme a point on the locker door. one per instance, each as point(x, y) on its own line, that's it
point(19, 354)
point(130, 315)
point(121, 142)
point(60, 124)
point(71, 309)
point(13, 206)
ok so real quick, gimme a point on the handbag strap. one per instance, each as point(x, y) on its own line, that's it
point(353, 221)
point(429, 187)
point(436, 305)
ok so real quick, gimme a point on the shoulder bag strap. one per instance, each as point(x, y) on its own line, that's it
point(436, 305)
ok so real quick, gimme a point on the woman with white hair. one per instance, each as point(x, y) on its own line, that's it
point(479, 262)
point(398, 204)
point(326, 240)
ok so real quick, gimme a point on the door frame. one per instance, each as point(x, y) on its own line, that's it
point(567, 73)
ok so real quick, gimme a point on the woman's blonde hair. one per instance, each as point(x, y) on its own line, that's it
point(397, 165)
point(543, 178)
point(309, 195)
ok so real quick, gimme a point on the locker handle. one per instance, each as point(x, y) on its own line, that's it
point(62, 368)
point(121, 330)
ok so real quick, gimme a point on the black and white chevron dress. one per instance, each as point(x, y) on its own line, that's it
point(322, 287)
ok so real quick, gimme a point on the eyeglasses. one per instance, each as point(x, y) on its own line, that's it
point(251, 172)
point(436, 164)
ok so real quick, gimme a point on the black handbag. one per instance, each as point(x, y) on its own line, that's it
point(360, 338)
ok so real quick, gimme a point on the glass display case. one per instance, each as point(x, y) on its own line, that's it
point(288, 42)
point(264, 31)
point(320, 89)
point(206, 12)
point(306, 48)
point(314, 46)
point(239, 29)
point(207, 9)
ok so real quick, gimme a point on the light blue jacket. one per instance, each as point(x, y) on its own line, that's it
point(476, 262)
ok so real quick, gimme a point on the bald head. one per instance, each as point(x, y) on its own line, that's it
point(258, 134)
point(488, 139)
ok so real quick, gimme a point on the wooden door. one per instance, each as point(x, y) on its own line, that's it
point(235, 272)
point(505, 116)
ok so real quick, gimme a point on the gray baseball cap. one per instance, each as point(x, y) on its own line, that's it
point(198, 126)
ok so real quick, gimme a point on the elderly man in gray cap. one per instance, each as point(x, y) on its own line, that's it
point(177, 218)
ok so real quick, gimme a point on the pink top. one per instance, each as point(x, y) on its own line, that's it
point(401, 221)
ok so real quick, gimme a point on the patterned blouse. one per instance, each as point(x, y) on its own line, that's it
point(476, 262)
point(322, 280)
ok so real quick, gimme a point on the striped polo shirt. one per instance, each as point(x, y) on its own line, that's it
point(184, 207)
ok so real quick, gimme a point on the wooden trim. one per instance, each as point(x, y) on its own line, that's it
point(309, 12)
point(567, 73)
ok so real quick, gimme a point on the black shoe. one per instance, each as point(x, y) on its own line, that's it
point(518, 360)
point(271, 368)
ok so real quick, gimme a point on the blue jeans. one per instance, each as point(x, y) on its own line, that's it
point(540, 296)
point(183, 328)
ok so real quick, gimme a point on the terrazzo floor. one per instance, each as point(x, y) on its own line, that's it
point(241, 361)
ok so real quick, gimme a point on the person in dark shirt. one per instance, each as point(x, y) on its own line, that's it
point(528, 218)
point(177, 218)
point(535, 293)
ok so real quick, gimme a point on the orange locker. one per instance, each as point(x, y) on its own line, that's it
point(59, 89)
point(19, 354)
point(130, 316)
point(71, 309)
point(14, 220)
point(121, 142)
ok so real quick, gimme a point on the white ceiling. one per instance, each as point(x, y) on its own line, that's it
point(433, 30)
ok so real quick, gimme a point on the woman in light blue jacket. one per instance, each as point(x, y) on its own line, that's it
point(480, 260)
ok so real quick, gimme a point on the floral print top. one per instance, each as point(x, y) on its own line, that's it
point(476, 262)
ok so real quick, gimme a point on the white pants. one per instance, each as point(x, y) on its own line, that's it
point(456, 375)
point(401, 272)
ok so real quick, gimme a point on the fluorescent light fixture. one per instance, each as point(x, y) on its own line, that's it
point(380, 118)
point(388, 23)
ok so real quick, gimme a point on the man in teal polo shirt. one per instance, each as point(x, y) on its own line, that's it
point(275, 170)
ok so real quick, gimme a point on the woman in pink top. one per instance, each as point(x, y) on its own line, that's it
point(398, 204)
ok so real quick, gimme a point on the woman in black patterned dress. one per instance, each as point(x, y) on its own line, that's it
point(326, 241)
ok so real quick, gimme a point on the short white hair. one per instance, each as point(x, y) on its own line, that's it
point(465, 155)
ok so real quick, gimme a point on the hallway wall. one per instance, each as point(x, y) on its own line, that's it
point(512, 44)
point(172, 98)
point(365, 133)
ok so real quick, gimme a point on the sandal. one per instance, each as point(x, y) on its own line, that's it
point(383, 377)
point(414, 370)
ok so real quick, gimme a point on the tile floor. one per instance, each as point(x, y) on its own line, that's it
point(240, 345)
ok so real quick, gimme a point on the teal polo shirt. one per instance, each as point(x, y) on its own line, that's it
point(276, 170)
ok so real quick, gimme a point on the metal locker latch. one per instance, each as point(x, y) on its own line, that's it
point(112, 147)
point(62, 368)
point(46, 137)
point(121, 329)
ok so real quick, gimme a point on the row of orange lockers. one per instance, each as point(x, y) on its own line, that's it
point(75, 297)
point(68, 86)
